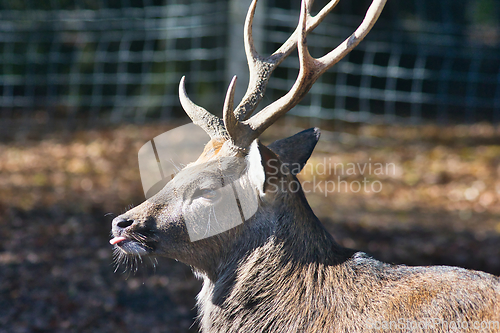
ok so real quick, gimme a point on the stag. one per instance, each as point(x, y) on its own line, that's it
point(267, 263)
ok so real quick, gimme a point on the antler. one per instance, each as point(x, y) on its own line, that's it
point(211, 124)
point(236, 125)
point(260, 67)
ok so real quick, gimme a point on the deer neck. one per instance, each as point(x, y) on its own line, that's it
point(297, 244)
point(301, 235)
point(286, 231)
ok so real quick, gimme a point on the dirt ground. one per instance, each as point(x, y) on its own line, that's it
point(432, 197)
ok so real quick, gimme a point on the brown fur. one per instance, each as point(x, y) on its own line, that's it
point(212, 148)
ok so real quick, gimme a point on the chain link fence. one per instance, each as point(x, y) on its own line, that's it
point(89, 62)
point(67, 63)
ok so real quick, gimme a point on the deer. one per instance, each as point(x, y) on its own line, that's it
point(267, 262)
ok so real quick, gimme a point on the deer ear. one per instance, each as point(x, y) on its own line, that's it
point(296, 150)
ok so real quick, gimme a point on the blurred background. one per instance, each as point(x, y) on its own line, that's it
point(85, 83)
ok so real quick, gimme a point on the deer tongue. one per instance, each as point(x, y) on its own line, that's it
point(117, 240)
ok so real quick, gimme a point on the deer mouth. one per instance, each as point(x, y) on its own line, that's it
point(137, 244)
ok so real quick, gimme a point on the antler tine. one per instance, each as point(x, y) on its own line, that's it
point(310, 70)
point(311, 23)
point(371, 17)
point(211, 124)
point(260, 67)
point(230, 121)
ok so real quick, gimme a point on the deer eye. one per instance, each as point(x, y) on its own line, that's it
point(207, 193)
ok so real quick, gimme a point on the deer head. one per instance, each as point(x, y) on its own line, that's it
point(230, 198)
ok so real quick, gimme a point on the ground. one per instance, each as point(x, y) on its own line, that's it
point(436, 201)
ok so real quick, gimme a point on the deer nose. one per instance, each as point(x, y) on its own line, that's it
point(122, 222)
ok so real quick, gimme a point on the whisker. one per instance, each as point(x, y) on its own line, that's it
point(132, 262)
point(154, 262)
